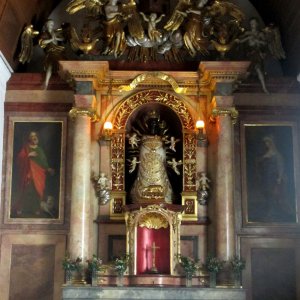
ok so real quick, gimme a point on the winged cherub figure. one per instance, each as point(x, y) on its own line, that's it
point(133, 140)
point(172, 143)
point(154, 34)
point(174, 165)
point(133, 164)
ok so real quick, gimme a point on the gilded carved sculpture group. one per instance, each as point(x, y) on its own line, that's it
point(114, 28)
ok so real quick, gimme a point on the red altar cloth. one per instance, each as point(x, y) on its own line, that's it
point(145, 239)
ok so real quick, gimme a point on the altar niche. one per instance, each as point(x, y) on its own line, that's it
point(149, 229)
point(153, 152)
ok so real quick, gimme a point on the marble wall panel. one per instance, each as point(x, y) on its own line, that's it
point(30, 266)
point(27, 264)
point(273, 273)
point(189, 246)
point(272, 268)
point(106, 234)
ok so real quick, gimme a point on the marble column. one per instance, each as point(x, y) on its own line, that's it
point(5, 74)
point(224, 115)
point(81, 217)
point(202, 208)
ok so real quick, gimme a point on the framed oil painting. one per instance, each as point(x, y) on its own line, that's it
point(269, 173)
point(35, 168)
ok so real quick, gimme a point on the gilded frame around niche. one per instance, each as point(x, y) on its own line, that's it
point(269, 173)
point(35, 168)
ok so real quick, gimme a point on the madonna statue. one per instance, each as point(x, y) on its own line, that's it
point(149, 157)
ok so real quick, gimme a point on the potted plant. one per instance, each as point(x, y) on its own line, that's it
point(213, 266)
point(71, 266)
point(94, 265)
point(190, 266)
point(237, 265)
point(120, 264)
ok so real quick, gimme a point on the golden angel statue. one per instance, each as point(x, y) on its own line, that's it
point(86, 43)
point(194, 38)
point(258, 43)
point(26, 52)
point(225, 19)
point(113, 25)
point(50, 40)
point(93, 6)
point(178, 16)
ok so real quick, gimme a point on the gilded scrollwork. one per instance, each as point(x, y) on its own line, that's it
point(153, 221)
point(141, 98)
point(160, 75)
point(189, 162)
point(117, 161)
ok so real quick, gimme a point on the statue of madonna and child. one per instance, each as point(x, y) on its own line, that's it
point(151, 152)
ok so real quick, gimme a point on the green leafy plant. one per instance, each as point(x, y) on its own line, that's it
point(213, 264)
point(69, 264)
point(237, 264)
point(189, 265)
point(95, 264)
point(120, 263)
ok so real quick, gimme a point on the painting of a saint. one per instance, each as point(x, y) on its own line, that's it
point(35, 187)
point(270, 174)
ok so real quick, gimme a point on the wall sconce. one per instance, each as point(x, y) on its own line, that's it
point(200, 135)
point(107, 131)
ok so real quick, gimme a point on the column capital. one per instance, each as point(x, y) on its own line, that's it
point(84, 105)
point(76, 112)
point(223, 106)
point(224, 111)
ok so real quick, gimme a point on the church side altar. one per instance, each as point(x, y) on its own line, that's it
point(153, 293)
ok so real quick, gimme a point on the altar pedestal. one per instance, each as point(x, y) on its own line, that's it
point(156, 293)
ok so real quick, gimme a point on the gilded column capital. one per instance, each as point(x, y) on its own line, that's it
point(224, 111)
point(75, 112)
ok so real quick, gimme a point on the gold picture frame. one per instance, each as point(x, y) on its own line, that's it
point(35, 170)
point(269, 160)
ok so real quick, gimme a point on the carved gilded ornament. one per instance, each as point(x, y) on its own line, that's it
point(231, 111)
point(118, 161)
point(153, 221)
point(149, 75)
point(189, 165)
point(75, 112)
point(161, 97)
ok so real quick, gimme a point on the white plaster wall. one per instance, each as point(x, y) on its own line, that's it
point(5, 73)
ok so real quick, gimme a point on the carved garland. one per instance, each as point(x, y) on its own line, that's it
point(164, 98)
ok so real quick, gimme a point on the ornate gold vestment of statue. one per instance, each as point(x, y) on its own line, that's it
point(152, 183)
